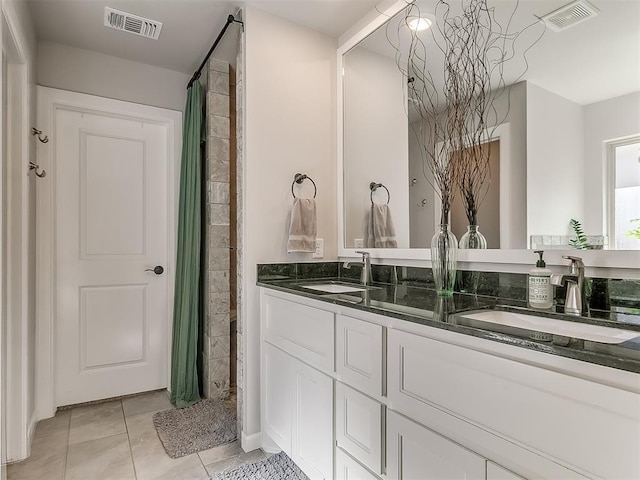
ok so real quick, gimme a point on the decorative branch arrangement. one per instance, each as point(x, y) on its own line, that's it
point(458, 112)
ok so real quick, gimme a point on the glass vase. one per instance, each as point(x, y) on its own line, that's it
point(473, 238)
point(444, 259)
point(468, 281)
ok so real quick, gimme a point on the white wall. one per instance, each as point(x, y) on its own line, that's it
point(289, 128)
point(375, 142)
point(555, 162)
point(69, 68)
point(422, 218)
point(604, 121)
point(20, 216)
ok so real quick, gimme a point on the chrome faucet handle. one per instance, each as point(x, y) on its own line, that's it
point(366, 277)
point(576, 263)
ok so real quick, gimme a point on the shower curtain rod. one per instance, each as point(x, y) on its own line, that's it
point(230, 19)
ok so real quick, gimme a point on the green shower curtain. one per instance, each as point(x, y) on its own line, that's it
point(184, 352)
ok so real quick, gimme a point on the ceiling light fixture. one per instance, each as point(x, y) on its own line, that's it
point(419, 23)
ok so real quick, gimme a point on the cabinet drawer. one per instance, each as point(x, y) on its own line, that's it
point(348, 469)
point(359, 358)
point(417, 453)
point(359, 426)
point(305, 332)
point(557, 415)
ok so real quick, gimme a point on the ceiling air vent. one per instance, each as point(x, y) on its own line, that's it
point(131, 23)
point(570, 15)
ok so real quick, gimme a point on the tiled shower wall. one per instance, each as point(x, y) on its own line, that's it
point(216, 342)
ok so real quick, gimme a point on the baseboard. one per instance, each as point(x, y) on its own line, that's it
point(31, 430)
point(269, 446)
point(251, 442)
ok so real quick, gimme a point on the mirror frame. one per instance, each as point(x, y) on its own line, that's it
point(603, 263)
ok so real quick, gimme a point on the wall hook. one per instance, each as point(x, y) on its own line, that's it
point(36, 167)
point(43, 139)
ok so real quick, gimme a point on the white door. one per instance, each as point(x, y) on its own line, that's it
point(112, 226)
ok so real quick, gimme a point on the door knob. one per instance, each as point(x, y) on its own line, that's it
point(157, 270)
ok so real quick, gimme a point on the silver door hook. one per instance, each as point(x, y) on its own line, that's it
point(36, 167)
point(43, 139)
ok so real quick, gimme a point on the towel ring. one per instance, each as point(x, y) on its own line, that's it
point(373, 186)
point(299, 178)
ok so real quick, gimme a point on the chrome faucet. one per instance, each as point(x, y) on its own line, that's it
point(365, 276)
point(576, 299)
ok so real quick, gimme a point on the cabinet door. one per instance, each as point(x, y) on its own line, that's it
point(348, 469)
point(312, 438)
point(359, 426)
point(416, 453)
point(277, 396)
point(359, 354)
point(496, 472)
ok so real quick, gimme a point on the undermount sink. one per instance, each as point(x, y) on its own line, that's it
point(334, 288)
point(534, 323)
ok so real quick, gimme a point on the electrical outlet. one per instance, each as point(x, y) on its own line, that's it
point(319, 253)
point(358, 243)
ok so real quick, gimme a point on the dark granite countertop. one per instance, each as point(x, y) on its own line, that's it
point(412, 302)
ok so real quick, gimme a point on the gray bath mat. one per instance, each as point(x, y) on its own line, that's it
point(276, 467)
point(204, 425)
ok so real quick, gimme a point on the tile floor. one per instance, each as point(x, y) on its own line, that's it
point(117, 441)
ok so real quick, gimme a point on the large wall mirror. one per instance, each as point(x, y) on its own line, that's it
point(567, 147)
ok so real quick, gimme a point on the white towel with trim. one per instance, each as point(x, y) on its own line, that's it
point(303, 227)
point(382, 233)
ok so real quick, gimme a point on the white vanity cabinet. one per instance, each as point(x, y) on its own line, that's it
point(565, 419)
point(359, 426)
point(496, 472)
point(359, 354)
point(296, 383)
point(349, 469)
point(417, 453)
point(360, 362)
point(312, 425)
point(353, 395)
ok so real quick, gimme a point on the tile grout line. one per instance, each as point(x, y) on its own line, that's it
point(66, 455)
point(203, 465)
point(126, 428)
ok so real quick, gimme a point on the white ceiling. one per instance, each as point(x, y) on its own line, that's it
point(189, 26)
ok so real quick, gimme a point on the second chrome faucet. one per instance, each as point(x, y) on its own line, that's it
point(365, 276)
point(576, 301)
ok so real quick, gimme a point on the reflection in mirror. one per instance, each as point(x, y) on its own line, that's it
point(568, 146)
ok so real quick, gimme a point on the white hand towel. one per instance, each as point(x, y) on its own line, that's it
point(303, 228)
point(382, 233)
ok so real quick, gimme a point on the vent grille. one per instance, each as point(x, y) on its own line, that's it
point(570, 15)
point(128, 22)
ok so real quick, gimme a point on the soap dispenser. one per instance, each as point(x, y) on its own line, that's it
point(540, 288)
